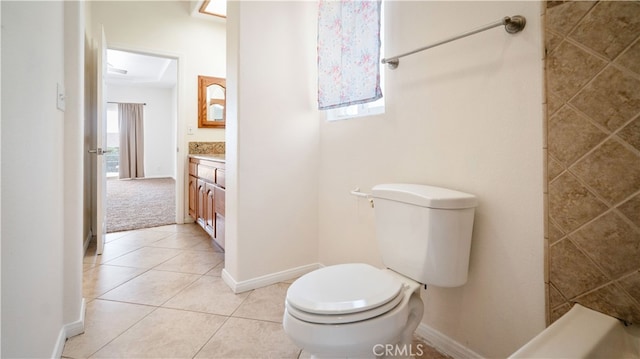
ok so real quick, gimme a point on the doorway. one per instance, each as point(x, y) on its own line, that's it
point(149, 199)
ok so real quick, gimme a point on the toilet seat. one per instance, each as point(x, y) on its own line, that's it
point(344, 318)
point(343, 293)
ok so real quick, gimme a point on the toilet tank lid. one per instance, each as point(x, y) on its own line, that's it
point(425, 196)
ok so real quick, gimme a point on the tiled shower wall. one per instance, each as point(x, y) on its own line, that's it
point(593, 157)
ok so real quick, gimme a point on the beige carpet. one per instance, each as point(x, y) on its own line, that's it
point(140, 203)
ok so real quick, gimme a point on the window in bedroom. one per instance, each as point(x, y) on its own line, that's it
point(112, 156)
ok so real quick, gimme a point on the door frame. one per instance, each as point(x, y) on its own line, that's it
point(181, 150)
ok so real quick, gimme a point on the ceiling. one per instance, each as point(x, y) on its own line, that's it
point(134, 69)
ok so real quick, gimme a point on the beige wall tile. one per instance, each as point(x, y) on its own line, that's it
point(612, 170)
point(555, 233)
point(631, 210)
point(631, 284)
point(610, 27)
point(631, 58)
point(569, 68)
point(554, 103)
point(552, 41)
point(631, 133)
point(563, 16)
point(612, 243)
point(555, 298)
point(571, 204)
point(612, 300)
point(608, 97)
point(571, 272)
point(558, 312)
point(554, 169)
point(571, 136)
point(611, 99)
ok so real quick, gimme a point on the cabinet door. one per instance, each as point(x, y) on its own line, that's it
point(201, 202)
point(209, 219)
point(193, 197)
point(219, 216)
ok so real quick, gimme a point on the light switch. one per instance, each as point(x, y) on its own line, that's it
point(60, 97)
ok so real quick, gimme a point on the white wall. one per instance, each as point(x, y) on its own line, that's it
point(166, 28)
point(74, 230)
point(468, 116)
point(0, 182)
point(40, 289)
point(272, 139)
point(159, 126)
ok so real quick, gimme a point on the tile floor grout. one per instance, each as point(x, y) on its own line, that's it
point(125, 319)
point(100, 266)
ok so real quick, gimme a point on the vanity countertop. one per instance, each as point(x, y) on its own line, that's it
point(216, 157)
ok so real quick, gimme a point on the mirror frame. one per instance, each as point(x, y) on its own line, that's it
point(203, 83)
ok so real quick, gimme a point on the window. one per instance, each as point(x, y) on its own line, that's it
point(360, 110)
point(112, 157)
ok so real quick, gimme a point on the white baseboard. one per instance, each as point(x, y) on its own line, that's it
point(444, 344)
point(434, 338)
point(59, 347)
point(265, 280)
point(69, 330)
point(77, 327)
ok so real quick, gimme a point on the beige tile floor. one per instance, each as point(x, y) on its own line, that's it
point(157, 293)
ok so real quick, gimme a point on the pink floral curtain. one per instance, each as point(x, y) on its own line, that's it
point(348, 53)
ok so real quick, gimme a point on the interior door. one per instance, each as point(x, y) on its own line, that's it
point(101, 144)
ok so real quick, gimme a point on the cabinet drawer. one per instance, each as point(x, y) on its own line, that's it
point(193, 168)
point(206, 173)
point(220, 177)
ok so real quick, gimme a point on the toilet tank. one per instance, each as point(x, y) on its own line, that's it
point(424, 232)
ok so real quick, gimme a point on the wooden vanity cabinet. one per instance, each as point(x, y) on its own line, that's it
point(193, 189)
point(219, 215)
point(207, 196)
point(193, 195)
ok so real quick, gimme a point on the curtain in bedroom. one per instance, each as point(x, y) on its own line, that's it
point(130, 118)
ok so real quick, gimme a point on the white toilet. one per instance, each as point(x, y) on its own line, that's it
point(357, 310)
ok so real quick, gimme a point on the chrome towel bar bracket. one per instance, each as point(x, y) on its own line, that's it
point(512, 25)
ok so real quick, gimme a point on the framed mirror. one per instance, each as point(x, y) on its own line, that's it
point(212, 93)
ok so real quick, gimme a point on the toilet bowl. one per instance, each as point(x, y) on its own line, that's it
point(328, 322)
point(355, 310)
